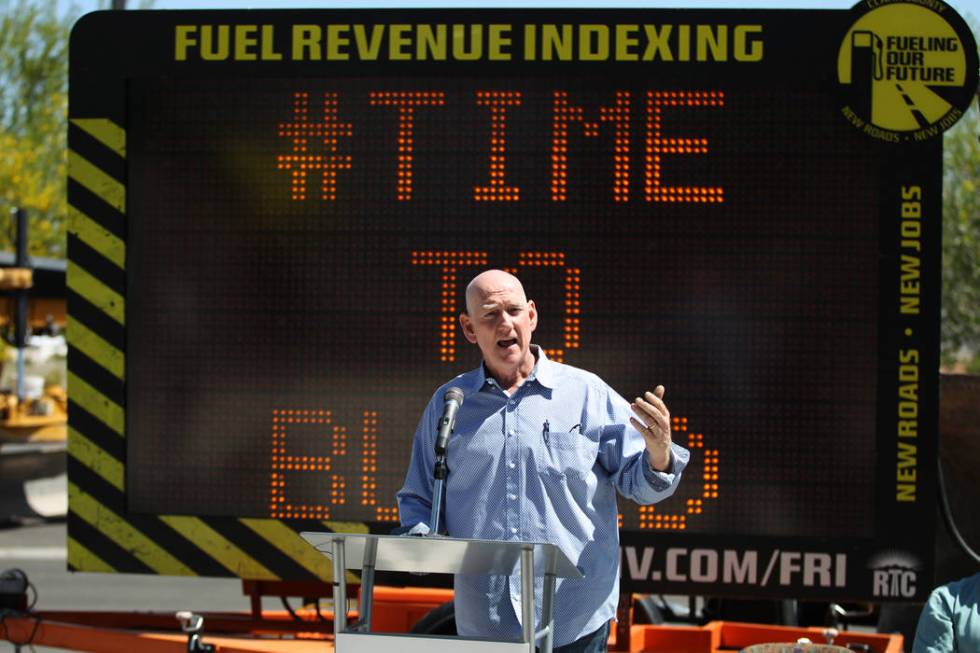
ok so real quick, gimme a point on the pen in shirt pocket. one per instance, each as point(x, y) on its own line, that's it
point(546, 431)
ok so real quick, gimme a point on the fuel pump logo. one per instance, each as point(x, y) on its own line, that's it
point(908, 70)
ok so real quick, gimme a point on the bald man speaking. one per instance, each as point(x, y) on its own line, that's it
point(538, 453)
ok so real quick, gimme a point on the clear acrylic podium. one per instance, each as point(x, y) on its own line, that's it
point(439, 555)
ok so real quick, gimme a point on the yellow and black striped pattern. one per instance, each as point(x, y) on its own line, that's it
point(102, 535)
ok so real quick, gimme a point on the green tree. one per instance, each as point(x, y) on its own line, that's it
point(33, 115)
point(961, 242)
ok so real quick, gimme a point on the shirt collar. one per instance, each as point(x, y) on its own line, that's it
point(543, 372)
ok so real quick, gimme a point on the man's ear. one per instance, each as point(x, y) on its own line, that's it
point(467, 324)
point(532, 313)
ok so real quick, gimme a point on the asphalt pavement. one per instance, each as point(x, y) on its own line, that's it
point(38, 549)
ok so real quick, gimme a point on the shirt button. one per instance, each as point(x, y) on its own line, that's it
point(513, 531)
point(510, 432)
point(512, 497)
point(511, 465)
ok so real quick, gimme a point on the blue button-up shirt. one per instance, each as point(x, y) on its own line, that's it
point(542, 465)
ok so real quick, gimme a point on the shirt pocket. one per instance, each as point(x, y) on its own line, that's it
point(567, 453)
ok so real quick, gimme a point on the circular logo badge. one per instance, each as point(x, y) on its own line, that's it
point(908, 69)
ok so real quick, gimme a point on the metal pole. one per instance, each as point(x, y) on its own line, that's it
point(367, 583)
point(527, 594)
point(21, 260)
point(339, 588)
point(436, 505)
point(439, 473)
point(547, 600)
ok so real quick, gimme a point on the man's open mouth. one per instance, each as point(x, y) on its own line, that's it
point(506, 343)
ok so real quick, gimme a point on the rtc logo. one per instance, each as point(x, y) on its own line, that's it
point(894, 574)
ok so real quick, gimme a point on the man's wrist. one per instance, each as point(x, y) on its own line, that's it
point(668, 467)
point(658, 480)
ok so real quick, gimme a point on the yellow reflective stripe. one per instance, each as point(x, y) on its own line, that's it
point(218, 547)
point(95, 458)
point(347, 526)
point(82, 559)
point(93, 346)
point(96, 403)
point(106, 132)
point(123, 534)
point(289, 542)
point(103, 185)
point(96, 236)
point(96, 292)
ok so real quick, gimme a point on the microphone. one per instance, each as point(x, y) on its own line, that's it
point(453, 400)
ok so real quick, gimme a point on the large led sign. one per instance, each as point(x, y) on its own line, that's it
point(275, 215)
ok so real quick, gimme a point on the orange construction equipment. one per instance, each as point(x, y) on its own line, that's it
point(395, 610)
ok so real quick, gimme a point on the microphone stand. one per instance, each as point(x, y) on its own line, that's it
point(453, 400)
point(439, 476)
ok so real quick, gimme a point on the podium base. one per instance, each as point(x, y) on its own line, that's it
point(386, 643)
